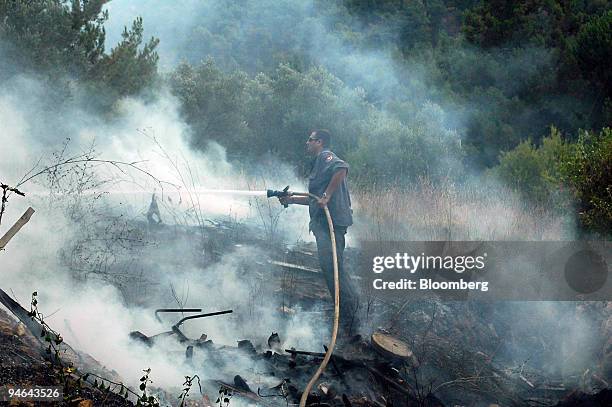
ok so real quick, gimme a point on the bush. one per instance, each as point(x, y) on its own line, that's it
point(557, 171)
point(536, 171)
point(589, 171)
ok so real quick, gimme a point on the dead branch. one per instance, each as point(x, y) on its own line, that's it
point(81, 159)
point(5, 194)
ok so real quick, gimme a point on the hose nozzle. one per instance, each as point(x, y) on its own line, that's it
point(285, 192)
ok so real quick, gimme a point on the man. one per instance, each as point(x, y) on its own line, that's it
point(327, 180)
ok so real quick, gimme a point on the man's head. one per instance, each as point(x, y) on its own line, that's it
point(318, 141)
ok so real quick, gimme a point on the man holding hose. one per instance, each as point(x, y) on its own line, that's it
point(327, 180)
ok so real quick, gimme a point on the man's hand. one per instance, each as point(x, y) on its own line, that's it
point(293, 200)
point(336, 180)
point(285, 200)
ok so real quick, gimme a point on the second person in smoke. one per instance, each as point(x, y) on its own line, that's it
point(328, 180)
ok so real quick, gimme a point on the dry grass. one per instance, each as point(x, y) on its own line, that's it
point(447, 211)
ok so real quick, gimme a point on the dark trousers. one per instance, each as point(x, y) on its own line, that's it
point(349, 301)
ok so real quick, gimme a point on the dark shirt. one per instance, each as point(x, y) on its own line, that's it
point(323, 169)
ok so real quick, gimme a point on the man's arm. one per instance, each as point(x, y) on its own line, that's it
point(337, 178)
point(295, 200)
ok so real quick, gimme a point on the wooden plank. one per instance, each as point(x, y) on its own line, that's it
point(16, 227)
point(21, 313)
point(293, 266)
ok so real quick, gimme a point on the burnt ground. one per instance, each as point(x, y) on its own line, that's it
point(359, 375)
point(461, 354)
point(22, 364)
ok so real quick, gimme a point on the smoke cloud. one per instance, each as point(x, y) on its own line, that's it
point(87, 250)
point(123, 283)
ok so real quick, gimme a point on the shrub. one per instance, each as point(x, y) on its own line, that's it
point(589, 171)
point(536, 171)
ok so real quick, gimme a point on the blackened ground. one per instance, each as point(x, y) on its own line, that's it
point(21, 364)
point(579, 399)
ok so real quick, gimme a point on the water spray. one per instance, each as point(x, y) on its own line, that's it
point(328, 349)
point(280, 194)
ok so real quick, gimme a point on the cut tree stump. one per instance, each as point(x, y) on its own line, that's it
point(391, 346)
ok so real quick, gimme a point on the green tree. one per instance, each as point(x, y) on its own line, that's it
point(272, 115)
point(213, 103)
point(536, 172)
point(558, 172)
point(65, 39)
point(129, 68)
point(547, 23)
point(52, 34)
point(589, 171)
point(593, 51)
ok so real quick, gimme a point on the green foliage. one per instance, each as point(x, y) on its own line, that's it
point(389, 150)
point(61, 371)
point(213, 104)
point(589, 171)
point(53, 340)
point(506, 70)
point(536, 22)
point(512, 69)
point(127, 70)
point(262, 114)
point(536, 171)
point(502, 71)
point(145, 400)
point(50, 34)
point(413, 23)
point(557, 171)
point(273, 114)
point(593, 51)
point(65, 40)
point(72, 381)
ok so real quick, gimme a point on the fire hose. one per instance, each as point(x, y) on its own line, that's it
point(286, 193)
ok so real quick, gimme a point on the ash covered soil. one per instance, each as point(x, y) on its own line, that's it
point(460, 353)
point(22, 364)
point(358, 376)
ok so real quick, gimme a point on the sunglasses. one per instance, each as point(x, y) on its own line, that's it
point(312, 139)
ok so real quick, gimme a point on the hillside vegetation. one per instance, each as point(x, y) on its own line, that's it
point(519, 90)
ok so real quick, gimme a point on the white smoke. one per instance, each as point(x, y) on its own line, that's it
point(99, 317)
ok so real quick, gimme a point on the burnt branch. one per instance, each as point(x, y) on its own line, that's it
point(6, 190)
